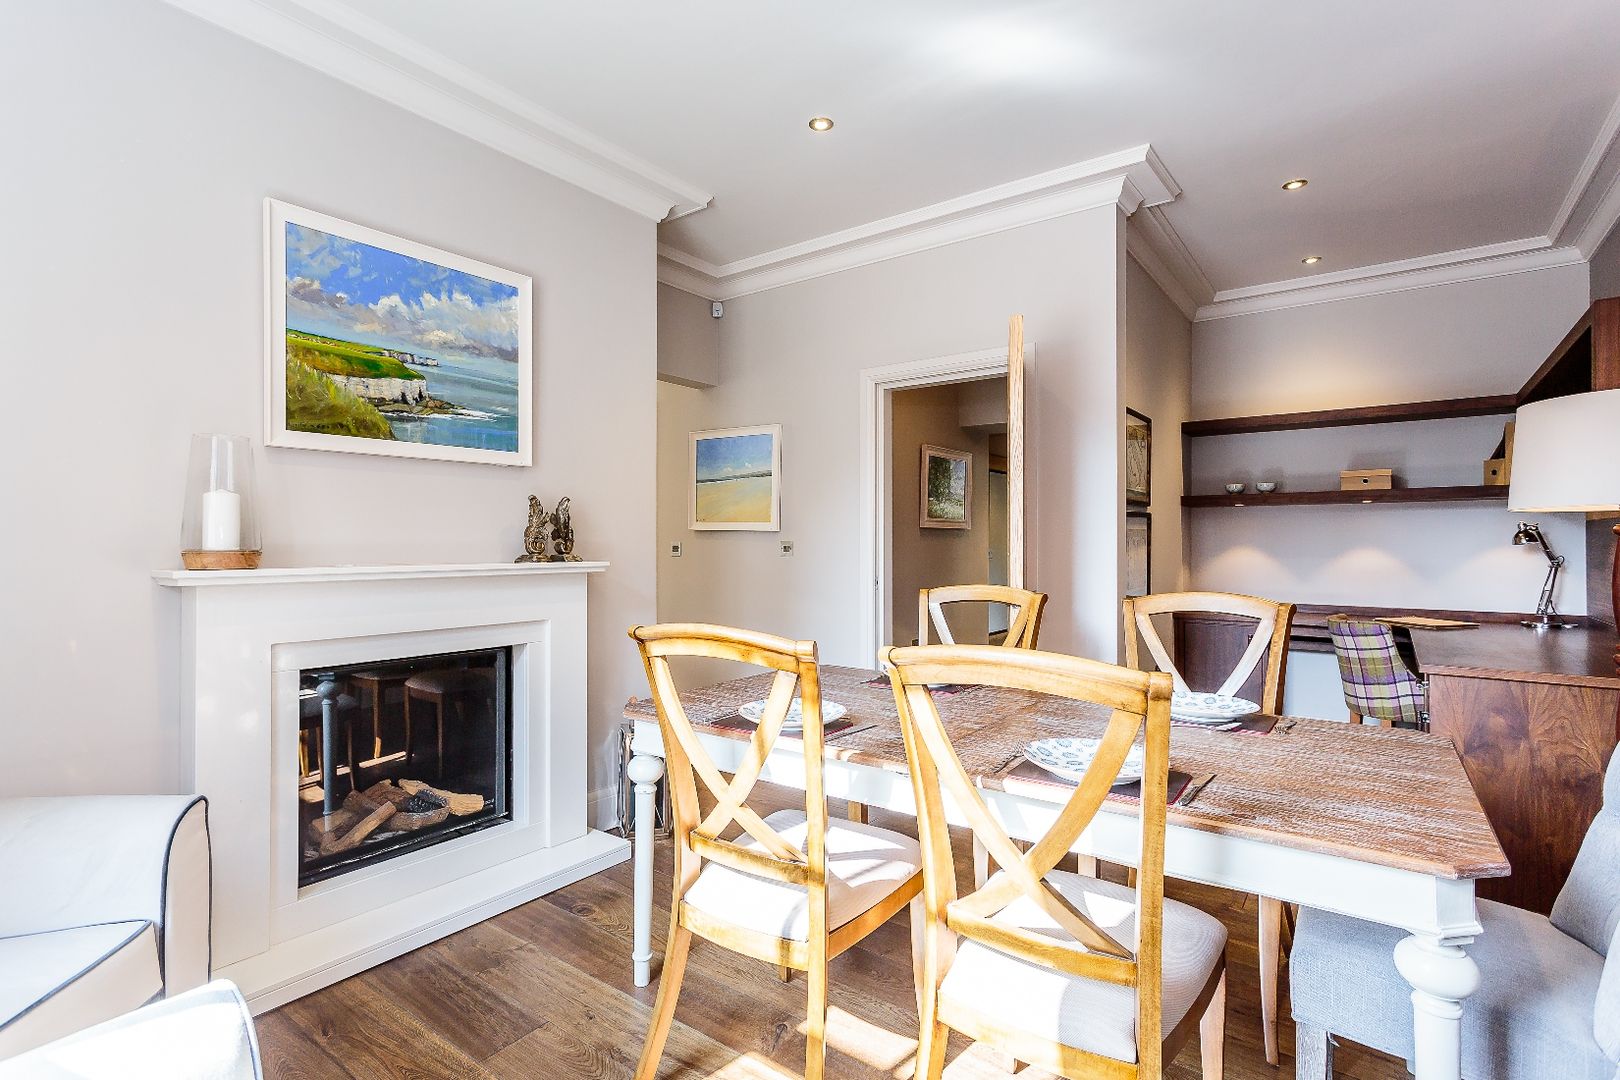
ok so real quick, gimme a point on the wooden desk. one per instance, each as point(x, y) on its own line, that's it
point(1535, 715)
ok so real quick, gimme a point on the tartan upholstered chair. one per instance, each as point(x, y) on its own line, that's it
point(1378, 681)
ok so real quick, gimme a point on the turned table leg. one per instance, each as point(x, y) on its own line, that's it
point(644, 771)
point(1442, 977)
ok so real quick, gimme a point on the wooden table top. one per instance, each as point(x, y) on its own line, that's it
point(1583, 656)
point(1387, 797)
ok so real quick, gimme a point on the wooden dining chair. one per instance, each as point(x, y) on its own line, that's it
point(1079, 976)
point(1023, 620)
point(793, 889)
point(1273, 623)
point(1023, 632)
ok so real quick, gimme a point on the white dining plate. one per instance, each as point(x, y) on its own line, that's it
point(831, 713)
point(1071, 757)
point(1210, 708)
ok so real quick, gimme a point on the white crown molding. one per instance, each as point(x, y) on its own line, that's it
point(1446, 268)
point(1129, 179)
point(1158, 248)
point(339, 41)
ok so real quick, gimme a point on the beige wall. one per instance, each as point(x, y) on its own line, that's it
point(1158, 346)
point(1605, 268)
point(135, 290)
point(926, 558)
point(688, 339)
point(1479, 337)
point(794, 355)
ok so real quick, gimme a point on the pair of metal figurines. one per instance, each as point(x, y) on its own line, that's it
point(536, 542)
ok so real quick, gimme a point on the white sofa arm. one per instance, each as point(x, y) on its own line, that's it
point(76, 860)
point(205, 1034)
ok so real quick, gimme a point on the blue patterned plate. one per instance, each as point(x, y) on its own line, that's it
point(1070, 758)
point(831, 713)
point(1209, 708)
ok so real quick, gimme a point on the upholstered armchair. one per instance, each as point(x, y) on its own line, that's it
point(1548, 1004)
point(105, 907)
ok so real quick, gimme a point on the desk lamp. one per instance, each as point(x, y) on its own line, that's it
point(1566, 459)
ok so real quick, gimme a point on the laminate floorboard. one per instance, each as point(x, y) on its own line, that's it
point(544, 992)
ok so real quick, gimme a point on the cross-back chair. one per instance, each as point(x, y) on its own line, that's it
point(1059, 970)
point(1023, 632)
point(791, 889)
point(1023, 618)
point(1273, 623)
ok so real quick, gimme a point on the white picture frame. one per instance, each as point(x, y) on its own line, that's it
point(467, 421)
point(728, 487)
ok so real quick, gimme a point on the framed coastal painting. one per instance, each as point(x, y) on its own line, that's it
point(375, 344)
point(1138, 458)
point(946, 500)
point(737, 479)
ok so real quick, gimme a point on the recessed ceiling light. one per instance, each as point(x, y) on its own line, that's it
point(821, 123)
point(1311, 260)
point(1295, 184)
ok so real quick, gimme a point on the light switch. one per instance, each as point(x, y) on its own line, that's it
point(675, 551)
point(784, 548)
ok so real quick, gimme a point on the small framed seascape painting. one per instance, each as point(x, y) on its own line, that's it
point(736, 479)
point(946, 500)
point(375, 344)
point(1138, 458)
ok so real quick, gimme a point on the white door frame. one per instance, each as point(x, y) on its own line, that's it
point(876, 522)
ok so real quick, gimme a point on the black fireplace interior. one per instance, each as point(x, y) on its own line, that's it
point(400, 754)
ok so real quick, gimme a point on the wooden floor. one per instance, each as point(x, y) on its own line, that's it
point(543, 992)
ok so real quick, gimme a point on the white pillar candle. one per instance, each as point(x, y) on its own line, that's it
point(221, 520)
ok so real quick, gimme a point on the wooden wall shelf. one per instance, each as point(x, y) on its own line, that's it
point(1451, 408)
point(1465, 493)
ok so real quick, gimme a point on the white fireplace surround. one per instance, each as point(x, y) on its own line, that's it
point(244, 637)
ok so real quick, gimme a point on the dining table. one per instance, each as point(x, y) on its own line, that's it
point(1380, 824)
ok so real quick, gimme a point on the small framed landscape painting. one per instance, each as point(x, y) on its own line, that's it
point(379, 345)
point(737, 479)
point(1138, 458)
point(947, 489)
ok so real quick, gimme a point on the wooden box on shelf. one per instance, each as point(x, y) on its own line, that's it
point(1499, 466)
point(1367, 480)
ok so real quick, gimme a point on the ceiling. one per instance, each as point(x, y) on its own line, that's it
point(1423, 127)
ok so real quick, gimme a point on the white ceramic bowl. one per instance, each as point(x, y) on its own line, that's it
point(1266, 487)
point(1210, 708)
point(831, 713)
point(1071, 757)
point(1235, 489)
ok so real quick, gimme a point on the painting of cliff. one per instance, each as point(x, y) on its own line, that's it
point(386, 346)
point(737, 479)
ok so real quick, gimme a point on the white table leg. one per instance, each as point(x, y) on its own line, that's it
point(644, 771)
point(1442, 976)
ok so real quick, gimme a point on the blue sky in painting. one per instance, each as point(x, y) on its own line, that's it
point(733, 455)
point(345, 289)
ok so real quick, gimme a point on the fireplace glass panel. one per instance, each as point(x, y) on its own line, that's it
point(400, 754)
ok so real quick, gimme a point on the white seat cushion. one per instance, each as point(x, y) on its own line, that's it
point(1082, 1013)
point(864, 865)
point(61, 981)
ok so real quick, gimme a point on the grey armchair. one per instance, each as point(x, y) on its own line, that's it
point(1548, 1005)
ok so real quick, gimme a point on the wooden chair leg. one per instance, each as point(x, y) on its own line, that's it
point(669, 989)
point(441, 737)
point(981, 864)
point(918, 912)
point(1270, 943)
point(815, 1028)
point(857, 812)
point(934, 1036)
point(376, 721)
point(408, 746)
point(1313, 1053)
point(784, 973)
point(1212, 1034)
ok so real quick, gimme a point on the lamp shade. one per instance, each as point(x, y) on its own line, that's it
point(1566, 455)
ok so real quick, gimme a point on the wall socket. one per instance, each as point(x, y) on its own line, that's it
point(675, 551)
point(784, 548)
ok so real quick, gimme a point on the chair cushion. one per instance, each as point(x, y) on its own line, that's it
point(1082, 1013)
point(864, 865)
point(1588, 906)
point(1606, 1016)
point(1530, 1019)
point(60, 981)
point(451, 680)
point(203, 1034)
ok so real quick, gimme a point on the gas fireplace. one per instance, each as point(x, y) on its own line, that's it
point(400, 754)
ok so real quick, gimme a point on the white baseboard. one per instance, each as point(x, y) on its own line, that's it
point(602, 808)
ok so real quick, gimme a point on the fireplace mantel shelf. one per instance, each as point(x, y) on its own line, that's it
point(293, 575)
